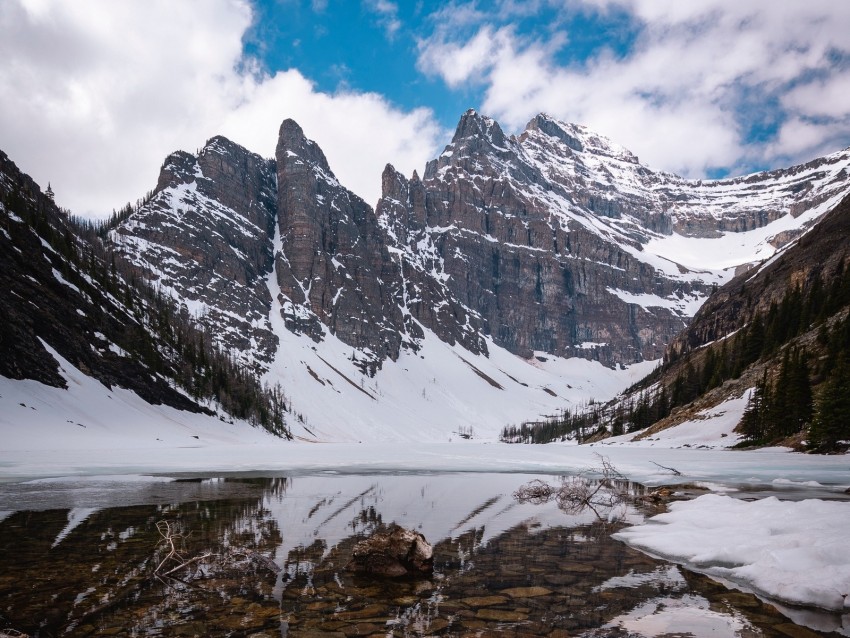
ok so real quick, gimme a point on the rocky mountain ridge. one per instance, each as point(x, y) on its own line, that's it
point(552, 244)
point(204, 237)
point(551, 241)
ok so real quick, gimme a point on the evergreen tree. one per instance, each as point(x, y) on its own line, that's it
point(831, 422)
point(798, 394)
point(752, 422)
point(754, 344)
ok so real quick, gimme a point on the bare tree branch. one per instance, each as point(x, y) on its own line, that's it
point(670, 469)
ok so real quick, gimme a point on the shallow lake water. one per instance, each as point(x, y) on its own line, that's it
point(266, 556)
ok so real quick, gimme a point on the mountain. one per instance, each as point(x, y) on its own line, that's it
point(479, 282)
point(561, 241)
point(766, 360)
point(73, 319)
point(204, 238)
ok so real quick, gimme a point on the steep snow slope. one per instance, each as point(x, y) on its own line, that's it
point(89, 416)
point(435, 393)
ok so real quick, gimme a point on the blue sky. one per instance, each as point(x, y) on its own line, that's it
point(374, 46)
point(96, 93)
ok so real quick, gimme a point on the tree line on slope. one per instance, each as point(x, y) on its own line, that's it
point(782, 404)
point(154, 332)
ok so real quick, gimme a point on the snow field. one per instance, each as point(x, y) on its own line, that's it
point(712, 428)
point(795, 552)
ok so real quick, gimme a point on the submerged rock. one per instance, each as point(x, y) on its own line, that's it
point(393, 553)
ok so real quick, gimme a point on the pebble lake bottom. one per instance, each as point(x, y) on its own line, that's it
point(266, 556)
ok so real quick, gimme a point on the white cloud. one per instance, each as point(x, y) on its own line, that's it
point(96, 93)
point(675, 97)
point(459, 63)
point(387, 15)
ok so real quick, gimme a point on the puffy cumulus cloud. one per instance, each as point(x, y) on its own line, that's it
point(458, 63)
point(96, 93)
point(686, 95)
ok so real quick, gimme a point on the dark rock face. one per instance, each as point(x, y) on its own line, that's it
point(540, 238)
point(206, 237)
point(423, 291)
point(393, 553)
point(333, 267)
point(517, 267)
point(539, 242)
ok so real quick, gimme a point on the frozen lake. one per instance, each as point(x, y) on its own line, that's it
point(733, 469)
point(78, 557)
point(78, 541)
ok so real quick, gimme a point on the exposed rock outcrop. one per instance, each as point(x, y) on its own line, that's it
point(517, 253)
point(205, 237)
point(333, 263)
point(393, 553)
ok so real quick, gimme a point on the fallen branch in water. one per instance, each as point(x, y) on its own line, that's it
point(186, 563)
point(171, 538)
point(536, 492)
point(669, 469)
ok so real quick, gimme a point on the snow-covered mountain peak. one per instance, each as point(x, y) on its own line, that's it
point(479, 144)
point(579, 138)
point(203, 237)
point(473, 125)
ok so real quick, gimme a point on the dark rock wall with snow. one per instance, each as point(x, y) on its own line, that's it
point(333, 265)
point(205, 237)
point(540, 242)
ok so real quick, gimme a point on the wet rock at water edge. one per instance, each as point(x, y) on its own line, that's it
point(393, 553)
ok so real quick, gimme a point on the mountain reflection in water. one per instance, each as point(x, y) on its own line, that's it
point(266, 556)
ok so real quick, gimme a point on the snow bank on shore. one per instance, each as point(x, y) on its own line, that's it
point(794, 552)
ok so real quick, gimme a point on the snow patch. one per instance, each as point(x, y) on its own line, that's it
point(710, 428)
point(791, 551)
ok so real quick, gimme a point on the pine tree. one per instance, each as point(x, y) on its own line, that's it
point(754, 343)
point(831, 422)
point(752, 422)
point(799, 402)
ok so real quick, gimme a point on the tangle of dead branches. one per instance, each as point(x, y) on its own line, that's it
point(596, 488)
point(171, 539)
